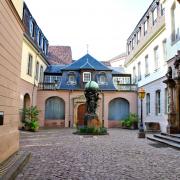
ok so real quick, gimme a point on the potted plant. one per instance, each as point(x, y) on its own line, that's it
point(131, 122)
point(30, 120)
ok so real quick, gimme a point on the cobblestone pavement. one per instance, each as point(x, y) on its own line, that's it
point(58, 154)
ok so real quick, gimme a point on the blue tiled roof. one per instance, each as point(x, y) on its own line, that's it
point(55, 69)
point(87, 62)
point(117, 70)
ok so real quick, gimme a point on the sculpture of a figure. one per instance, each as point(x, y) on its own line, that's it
point(91, 100)
point(169, 73)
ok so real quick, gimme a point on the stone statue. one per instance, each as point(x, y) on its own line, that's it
point(169, 73)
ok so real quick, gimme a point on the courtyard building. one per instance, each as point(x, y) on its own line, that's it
point(173, 59)
point(61, 99)
point(11, 37)
point(118, 61)
point(34, 60)
point(147, 62)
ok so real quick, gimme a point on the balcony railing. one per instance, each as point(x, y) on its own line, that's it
point(47, 86)
point(126, 87)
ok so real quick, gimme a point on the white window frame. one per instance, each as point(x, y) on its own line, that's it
point(164, 44)
point(146, 65)
point(158, 103)
point(148, 104)
point(138, 36)
point(139, 71)
point(37, 71)
point(86, 79)
point(156, 58)
point(29, 65)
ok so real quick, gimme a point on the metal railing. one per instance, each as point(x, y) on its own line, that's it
point(126, 87)
point(47, 86)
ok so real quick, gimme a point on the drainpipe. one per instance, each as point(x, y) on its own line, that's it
point(102, 108)
point(69, 125)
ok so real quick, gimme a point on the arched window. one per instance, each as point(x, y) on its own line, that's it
point(55, 109)
point(118, 109)
point(102, 78)
point(71, 78)
point(27, 101)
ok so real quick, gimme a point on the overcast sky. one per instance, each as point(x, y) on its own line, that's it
point(104, 25)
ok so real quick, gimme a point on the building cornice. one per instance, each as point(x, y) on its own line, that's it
point(15, 13)
point(139, 50)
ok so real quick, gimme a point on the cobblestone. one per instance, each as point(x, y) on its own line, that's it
point(58, 154)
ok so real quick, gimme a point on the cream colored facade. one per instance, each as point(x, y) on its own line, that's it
point(147, 62)
point(29, 49)
point(28, 82)
point(173, 27)
point(19, 6)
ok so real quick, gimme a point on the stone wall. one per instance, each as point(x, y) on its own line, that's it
point(11, 35)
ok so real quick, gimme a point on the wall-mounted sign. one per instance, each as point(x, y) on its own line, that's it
point(1, 118)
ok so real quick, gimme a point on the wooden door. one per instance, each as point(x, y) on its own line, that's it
point(80, 114)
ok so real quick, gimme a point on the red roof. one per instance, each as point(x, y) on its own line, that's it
point(59, 55)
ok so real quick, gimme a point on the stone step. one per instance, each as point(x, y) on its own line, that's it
point(10, 168)
point(168, 138)
point(171, 135)
point(167, 142)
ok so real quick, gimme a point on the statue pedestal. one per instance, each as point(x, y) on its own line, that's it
point(91, 120)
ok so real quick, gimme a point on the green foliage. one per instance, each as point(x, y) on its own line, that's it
point(30, 118)
point(130, 122)
point(93, 130)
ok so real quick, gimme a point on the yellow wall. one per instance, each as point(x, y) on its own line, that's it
point(19, 6)
point(29, 49)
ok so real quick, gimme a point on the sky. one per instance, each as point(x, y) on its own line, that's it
point(104, 25)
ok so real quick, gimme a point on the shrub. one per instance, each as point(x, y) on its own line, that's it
point(92, 130)
point(130, 122)
point(30, 120)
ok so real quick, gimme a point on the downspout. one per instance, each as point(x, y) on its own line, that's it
point(102, 108)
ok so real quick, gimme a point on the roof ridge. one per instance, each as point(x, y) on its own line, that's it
point(87, 63)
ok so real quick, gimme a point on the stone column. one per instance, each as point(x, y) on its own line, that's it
point(177, 101)
point(172, 128)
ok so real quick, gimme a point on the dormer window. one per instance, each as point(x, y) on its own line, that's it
point(154, 15)
point(32, 28)
point(38, 36)
point(145, 27)
point(71, 78)
point(102, 78)
point(138, 36)
point(86, 76)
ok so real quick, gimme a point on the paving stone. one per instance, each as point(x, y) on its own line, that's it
point(58, 154)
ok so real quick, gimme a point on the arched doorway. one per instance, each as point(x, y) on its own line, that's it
point(118, 109)
point(80, 114)
point(27, 101)
point(55, 109)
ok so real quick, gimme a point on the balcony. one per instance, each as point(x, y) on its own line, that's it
point(47, 86)
point(126, 87)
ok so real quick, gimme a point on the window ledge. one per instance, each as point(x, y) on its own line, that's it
point(156, 70)
point(146, 75)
